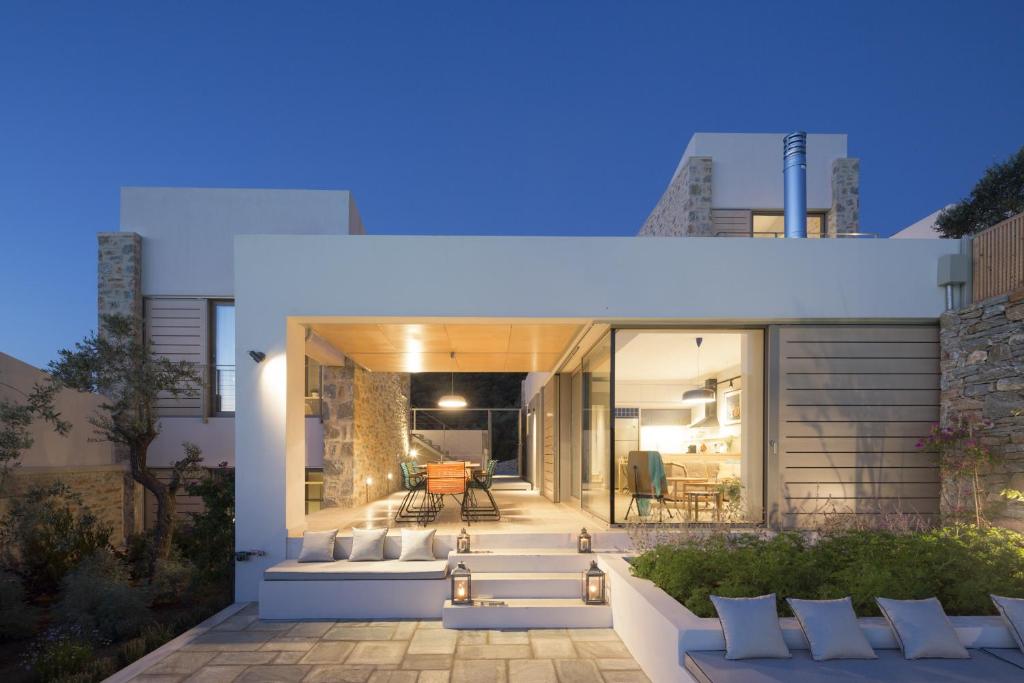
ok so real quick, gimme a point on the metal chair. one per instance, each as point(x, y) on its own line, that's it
point(471, 511)
point(413, 483)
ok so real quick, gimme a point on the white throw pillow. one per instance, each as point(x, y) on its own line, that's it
point(831, 628)
point(417, 545)
point(367, 545)
point(922, 629)
point(318, 546)
point(751, 627)
point(1012, 610)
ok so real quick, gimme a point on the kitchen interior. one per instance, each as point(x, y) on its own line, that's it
point(696, 397)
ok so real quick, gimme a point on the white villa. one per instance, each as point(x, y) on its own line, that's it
point(773, 380)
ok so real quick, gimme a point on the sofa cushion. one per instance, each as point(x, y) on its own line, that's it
point(922, 628)
point(318, 546)
point(831, 628)
point(367, 545)
point(713, 667)
point(751, 627)
point(344, 570)
point(1012, 610)
point(417, 545)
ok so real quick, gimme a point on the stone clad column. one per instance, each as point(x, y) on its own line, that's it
point(684, 210)
point(338, 405)
point(844, 216)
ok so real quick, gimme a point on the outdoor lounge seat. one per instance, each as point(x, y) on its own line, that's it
point(343, 570)
point(713, 667)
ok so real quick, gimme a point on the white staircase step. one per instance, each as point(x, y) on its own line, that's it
point(525, 560)
point(528, 613)
point(527, 584)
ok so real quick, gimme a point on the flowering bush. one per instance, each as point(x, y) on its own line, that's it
point(962, 455)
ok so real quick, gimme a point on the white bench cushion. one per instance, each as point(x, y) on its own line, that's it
point(343, 570)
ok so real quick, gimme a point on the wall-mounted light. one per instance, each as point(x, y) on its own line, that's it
point(257, 356)
point(413, 453)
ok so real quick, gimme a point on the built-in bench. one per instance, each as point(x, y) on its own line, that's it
point(387, 589)
point(995, 665)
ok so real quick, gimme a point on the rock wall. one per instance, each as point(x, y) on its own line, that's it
point(982, 364)
point(104, 490)
point(381, 432)
point(119, 283)
point(684, 210)
point(844, 215)
point(366, 433)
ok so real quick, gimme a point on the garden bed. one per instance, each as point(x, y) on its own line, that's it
point(959, 565)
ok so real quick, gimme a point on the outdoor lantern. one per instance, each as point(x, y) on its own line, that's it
point(463, 543)
point(462, 591)
point(593, 585)
point(583, 542)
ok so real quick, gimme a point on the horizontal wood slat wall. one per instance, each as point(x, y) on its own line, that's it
point(730, 221)
point(186, 504)
point(998, 256)
point(853, 402)
point(178, 330)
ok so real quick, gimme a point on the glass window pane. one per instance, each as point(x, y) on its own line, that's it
point(595, 439)
point(224, 357)
point(774, 224)
point(701, 413)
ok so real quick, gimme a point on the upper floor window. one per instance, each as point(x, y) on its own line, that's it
point(223, 361)
point(773, 224)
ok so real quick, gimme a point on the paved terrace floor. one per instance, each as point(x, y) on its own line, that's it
point(521, 512)
point(243, 648)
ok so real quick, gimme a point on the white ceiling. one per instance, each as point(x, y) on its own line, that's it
point(671, 355)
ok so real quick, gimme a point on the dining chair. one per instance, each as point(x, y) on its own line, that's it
point(471, 511)
point(413, 483)
point(444, 479)
point(643, 493)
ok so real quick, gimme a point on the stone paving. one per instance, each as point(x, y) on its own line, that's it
point(243, 648)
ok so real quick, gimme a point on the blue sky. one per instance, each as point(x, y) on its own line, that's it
point(475, 117)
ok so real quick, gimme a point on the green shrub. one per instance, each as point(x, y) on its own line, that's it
point(17, 618)
point(960, 566)
point(171, 580)
point(96, 596)
point(156, 635)
point(208, 540)
point(60, 655)
point(131, 650)
point(46, 533)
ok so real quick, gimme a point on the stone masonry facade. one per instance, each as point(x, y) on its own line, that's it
point(366, 427)
point(684, 210)
point(982, 365)
point(844, 215)
point(119, 285)
point(103, 491)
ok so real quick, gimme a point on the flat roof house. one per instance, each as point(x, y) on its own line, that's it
point(776, 380)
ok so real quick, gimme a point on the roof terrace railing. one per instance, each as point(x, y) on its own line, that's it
point(769, 234)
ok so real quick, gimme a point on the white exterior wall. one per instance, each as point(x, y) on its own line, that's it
point(612, 279)
point(187, 233)
point(216, 438)
point(746, 171)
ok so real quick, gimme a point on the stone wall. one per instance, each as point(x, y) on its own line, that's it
point(104, 490)
point(339, 433)
point(119, 284)
point(366, 433)
point(684, 210)
point(982, 364)
point(381, 432)
point(844, 215)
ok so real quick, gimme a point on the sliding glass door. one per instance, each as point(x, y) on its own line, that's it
point(596, 429)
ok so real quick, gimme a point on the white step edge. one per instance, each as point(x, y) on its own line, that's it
point(523, 561)
point(528, 613)
point(527, 584)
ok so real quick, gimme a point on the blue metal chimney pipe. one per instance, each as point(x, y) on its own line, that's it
point(794, 168)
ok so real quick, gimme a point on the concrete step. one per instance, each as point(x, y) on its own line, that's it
point(528, 613)
point(523, 560)
point(527, 584)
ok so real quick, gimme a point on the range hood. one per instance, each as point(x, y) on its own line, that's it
point(710, 419)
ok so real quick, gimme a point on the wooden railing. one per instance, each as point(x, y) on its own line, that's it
point(998, 254)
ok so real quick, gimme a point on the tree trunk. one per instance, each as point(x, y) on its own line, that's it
point(165, 505)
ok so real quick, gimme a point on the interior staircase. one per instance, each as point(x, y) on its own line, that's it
point(540, 588)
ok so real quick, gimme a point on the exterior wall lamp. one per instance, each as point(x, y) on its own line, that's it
point(257, 356)
point(462, 585)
